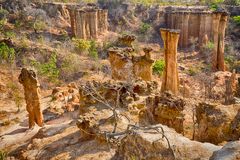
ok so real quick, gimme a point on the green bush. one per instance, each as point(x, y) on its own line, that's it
point(48, 69)
point(158, 66)
point(3, 18)
point(210, 45)
point(3, 14)
point(236, 19)
point(82, 45)
point(9, 34)
point(93, 53)
point(6, 53)
point(39, 25)
point(144, 28)
point(215, 4)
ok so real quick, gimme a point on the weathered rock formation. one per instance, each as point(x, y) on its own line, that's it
point(127, 66)
point(170, 73)
point(165, 109)
point(229, 151)
point(28, 79)
point(231, 87)
point(88, 22)
point(217, 123)
point(166, 144)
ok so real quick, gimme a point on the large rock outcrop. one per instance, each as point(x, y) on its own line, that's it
point(170, 73)
point(163, 145)
point(125, 65)
point(28, 79)
point(166, 109)
point(230, 151)
point(217, 123)
point(88, 22)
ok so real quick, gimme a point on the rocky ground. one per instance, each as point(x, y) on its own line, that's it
point(88, 115)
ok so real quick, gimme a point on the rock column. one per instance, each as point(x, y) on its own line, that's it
point(102, 21)
point(170, 74)
point(142, 66)
point(30, 83)
point(73, 21)
point(221, 35)
point(219, 26)
point(81, 24)
point(93, 24)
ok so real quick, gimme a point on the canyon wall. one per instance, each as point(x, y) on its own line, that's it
point(195, 24)
point(88, 22)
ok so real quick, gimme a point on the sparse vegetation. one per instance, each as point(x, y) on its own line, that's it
point(49, 68)
point(93, 53)
point(7, 54)
point(144, 28)
point(82, 45)
point(15, 94)
point(236, 19)
point(158, 66)
point(3, 155)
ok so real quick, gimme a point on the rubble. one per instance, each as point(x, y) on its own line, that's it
point(65, 98)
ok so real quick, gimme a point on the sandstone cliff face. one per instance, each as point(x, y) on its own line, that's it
point(28, 79)
point(217, 123)
point(149, 144)
point(88, 22)
point(170, 73)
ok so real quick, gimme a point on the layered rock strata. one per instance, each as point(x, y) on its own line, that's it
point(88, 22)
point(170, 73)
point(28, 79)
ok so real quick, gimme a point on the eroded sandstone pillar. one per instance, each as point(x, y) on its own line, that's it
point(72, 20)
point(185, 30)
point(81, 24)
point(93, 23)
point(221, 35)
point(170, 75)
point(219, 27)
point(121, 65)
point(28, 79)
point(142, 66)
point(102, 21)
